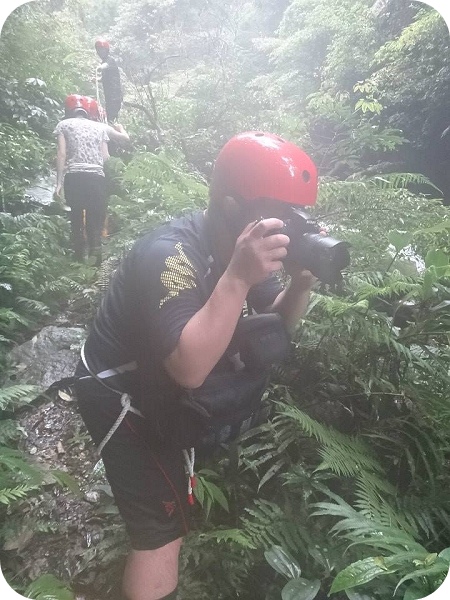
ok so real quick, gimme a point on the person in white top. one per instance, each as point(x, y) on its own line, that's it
point(82, 148)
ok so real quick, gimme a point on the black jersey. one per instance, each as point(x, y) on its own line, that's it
point(166, 278)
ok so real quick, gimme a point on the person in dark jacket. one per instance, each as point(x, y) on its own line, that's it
point(109, 74)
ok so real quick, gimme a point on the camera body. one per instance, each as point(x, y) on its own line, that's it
point(323, 255)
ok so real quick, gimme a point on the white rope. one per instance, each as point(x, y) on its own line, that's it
point(102, 113)
point(125, 401)
point(189, 459)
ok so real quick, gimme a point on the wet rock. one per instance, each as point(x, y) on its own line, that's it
point(42, 190)
point(50, 356)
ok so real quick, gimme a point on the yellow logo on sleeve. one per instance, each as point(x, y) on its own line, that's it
point(178, 276)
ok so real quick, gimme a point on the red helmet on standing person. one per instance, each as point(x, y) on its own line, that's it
point(102, 43)
point(256, 165)
point(102, 48)
point(74, 104)
point(92, 108)
point(74, 101)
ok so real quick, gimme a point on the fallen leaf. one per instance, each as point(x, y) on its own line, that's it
point(64, 396)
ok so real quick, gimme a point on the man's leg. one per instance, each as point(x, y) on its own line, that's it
point(150, 489)
point(152, 574)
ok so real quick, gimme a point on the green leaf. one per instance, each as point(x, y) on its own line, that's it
point(416, 591)
point(300, 589)
point(199, 491)
point(283, 562)
point(359, 573)
point(66, 480)
point(436, 228)
point(438, 568)
point(48, 587)
point(270, 473)
point(399, 239)
point(207, 493)
point(443, 304)
point(436, 258)
point(445, 554)
point(352, 595)
point(216, 494)
point(429, 278)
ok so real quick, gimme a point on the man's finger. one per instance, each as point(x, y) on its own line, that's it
point(263, 226)
point(278, 253)
point(276, 240)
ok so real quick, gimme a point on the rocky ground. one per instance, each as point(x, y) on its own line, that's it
point(70, 527)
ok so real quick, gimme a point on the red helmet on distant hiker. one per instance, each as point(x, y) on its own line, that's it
point(74, 101)
point(92, 108)
point(256, 165)
point(75, 104)
point(102, 47)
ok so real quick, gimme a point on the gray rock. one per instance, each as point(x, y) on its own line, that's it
point(42, 190)
point(50, 356)
point(92, 496)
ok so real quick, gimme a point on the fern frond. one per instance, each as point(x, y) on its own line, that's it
point(10, 317)
point(10, 495)
point(9, 431)
point(14, 461)
point(381, 507)
point(235, 536)
point(34, 305)
point(344, 455)
point(266, 525)
point(14, 395)
point(400, 181)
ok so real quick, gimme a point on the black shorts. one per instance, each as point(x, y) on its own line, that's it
point(85, 190)
point(150, 486)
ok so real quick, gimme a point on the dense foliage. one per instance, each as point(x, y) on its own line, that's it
point(344, 490)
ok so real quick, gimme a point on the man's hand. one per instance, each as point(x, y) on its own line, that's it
point(258, 253)
point(301, 278)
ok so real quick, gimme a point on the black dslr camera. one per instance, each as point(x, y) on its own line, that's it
point(323, 255)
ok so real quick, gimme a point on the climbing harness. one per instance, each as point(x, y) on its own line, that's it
point(125, 401)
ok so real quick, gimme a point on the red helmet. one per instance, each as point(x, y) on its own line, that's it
point(92, 108)
point(74, 101)
point(256, 165)
point(102, 43)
